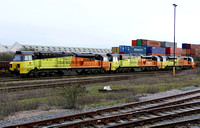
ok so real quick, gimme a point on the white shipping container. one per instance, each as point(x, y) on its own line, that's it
point(170, 44)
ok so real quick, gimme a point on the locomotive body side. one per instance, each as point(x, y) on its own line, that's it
point(35, 63)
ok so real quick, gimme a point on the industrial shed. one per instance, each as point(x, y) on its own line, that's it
point(3, 48)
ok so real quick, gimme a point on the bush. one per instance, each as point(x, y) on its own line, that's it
point(4, 56)
point(71, 93)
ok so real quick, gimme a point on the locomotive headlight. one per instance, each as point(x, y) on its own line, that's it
point(18, 66)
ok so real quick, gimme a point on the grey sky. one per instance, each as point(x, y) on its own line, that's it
point(97, 23)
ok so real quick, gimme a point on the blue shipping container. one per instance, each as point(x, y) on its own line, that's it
point(138, 54)
point(184, 46)
point(162, 44)
point(155, 50)
point(138, 49)
point(127, 49)
point(121, 48)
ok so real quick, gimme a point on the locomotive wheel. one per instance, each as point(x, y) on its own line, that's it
point(102, 71)
point(132, 69)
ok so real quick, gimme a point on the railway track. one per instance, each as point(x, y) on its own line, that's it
point(149, 113)
point(32, 83)
point(12, 79)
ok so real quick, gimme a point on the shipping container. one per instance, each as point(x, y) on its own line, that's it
point(127, 49)
point(188, 46)
point(173, 54)
point(188, 55)
point(197, 52)
point(138, 49)
point(115, 50)
point(170, 50)
point(121, 52)
point(152, 43)
point(134, 42)
point(195, 46)
point(139, 42)
point(144, 42)
point(192, 51)
point(184, 51)
point(183, 54)
point(121, 48)
point(138, 54)
point(184, 45)
point(170, 44)
point(162, 44)
point(155, 50)
point(157, 54)
point(188, 51)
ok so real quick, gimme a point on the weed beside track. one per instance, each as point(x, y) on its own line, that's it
point(136, 86)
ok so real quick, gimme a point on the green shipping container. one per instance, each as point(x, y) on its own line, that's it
point(139, 42)
point(188, 55)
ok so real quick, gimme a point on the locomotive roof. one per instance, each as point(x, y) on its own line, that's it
point(171, 57)
point(24, 52)
point(109, 54)
point(103, 55)
point(58, 53)
point(84, 54)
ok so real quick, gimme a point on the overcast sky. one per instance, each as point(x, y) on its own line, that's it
point(97, 23)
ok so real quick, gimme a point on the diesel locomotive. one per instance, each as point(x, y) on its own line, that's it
point(29, 63)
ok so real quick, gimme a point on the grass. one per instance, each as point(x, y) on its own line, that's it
point(135, 87)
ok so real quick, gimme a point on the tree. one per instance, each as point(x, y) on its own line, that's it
point(6, 56)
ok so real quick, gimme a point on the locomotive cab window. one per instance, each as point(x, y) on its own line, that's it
point(110, 58)
point(28, 57)
point(105, 58)
point(17, 57)
point(115, 59)
point(190, 59)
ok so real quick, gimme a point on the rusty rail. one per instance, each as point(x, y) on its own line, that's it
point(98, 112)
point(128, 116)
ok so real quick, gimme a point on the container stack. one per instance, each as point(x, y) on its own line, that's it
point(153, 47)
point(170, 51)
point(115, 50)
point(159, 48)
point(186, 49)
point(195, 50)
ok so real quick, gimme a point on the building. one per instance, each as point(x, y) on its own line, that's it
point(17, 46)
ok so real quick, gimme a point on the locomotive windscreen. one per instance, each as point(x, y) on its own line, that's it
point(18, 57)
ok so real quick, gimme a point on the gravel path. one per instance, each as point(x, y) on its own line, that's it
point(40, 114)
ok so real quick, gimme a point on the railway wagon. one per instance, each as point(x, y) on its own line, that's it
point(4, 65)
point(51, 63)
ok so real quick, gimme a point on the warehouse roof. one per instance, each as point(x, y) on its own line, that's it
point(17, 46)
point(2, 48)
